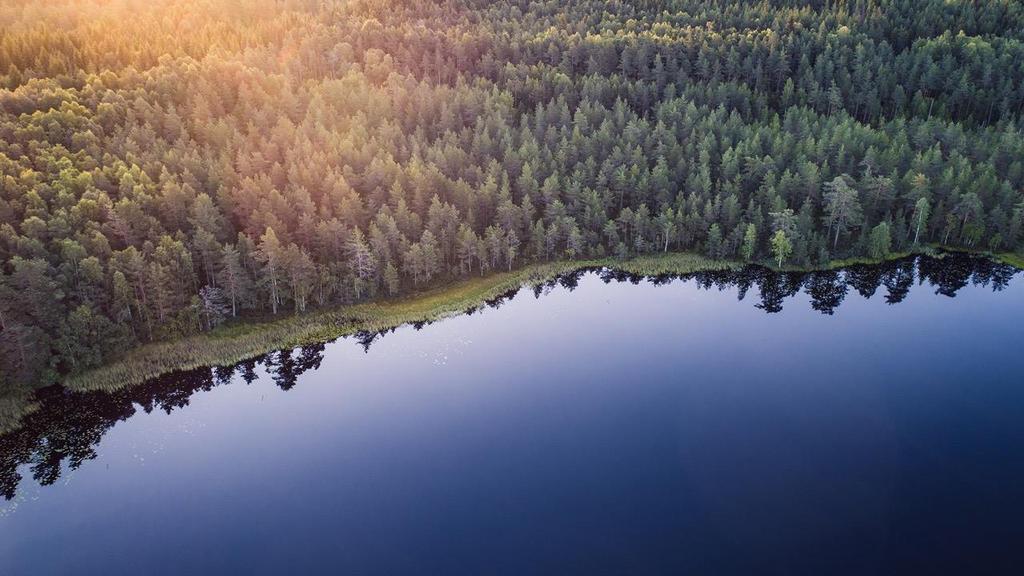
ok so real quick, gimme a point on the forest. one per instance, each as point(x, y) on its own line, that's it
point(168, 167)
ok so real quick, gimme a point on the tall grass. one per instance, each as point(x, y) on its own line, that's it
point(232, 344)
point(1013, 259)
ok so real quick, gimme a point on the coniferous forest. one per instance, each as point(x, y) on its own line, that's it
point(166, 167)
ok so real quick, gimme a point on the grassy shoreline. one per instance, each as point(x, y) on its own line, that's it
point(247, 339)
point(1015, 260)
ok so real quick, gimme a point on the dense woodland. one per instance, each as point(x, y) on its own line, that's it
point(168, 166)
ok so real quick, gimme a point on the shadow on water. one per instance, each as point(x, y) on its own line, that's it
point(68, 426)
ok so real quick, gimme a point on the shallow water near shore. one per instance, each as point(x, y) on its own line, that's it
point(858, 421)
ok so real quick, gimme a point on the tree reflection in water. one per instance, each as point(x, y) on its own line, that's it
point(64, 432)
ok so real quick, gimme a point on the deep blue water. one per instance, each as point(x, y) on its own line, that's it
point(617, 427)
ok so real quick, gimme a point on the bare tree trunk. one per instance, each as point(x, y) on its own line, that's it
point(273, 295)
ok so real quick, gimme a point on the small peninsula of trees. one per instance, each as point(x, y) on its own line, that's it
point(168, 166)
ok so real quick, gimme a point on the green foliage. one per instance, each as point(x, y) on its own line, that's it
point(880, 241)
point(714, 243)
point(749, 247)
point(922, 210)
point(231, 344)
point(782, 248)
point(286, 156)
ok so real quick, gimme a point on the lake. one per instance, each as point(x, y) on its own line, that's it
point(863, 421)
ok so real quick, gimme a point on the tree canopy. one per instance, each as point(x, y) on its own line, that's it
point(167, 166)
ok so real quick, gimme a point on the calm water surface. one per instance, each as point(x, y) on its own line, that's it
point(863, 422)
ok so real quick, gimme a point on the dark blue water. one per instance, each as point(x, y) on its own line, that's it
point(661, 427)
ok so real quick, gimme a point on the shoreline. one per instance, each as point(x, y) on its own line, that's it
point(248, 338)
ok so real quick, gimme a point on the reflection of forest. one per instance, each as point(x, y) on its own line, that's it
point(68, 426)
